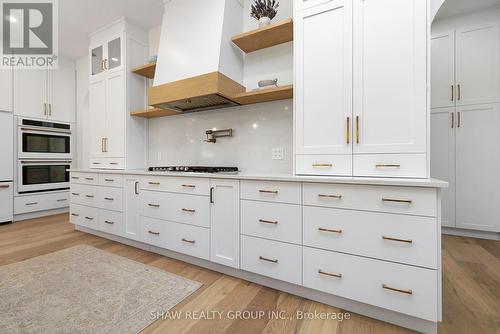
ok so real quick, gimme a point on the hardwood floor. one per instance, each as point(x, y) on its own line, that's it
point(471, 286)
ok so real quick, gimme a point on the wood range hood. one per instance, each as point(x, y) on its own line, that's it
point(203, 92)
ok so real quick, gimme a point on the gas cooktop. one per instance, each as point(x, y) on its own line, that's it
point(195, 169)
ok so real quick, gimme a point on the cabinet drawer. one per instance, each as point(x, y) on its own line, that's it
point(111, 222)
point(405, 200)
point(109, 198)
point(6, 201)
point(111, 180)
point(373, 282)
point(188, 209)
point(324, 165)
point(190, 240)
point(391, 165)
point(399, 238)
point(83, 195)
point(107, 163)
point(84, 178)
point(154, 232)
point(58, 200)
point(183, 185)
point(84, 216)
point(270, 191)
point(272, 258)
point(40, 202)
point(276, 221)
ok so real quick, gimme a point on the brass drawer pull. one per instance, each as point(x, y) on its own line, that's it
point(275, 222)
point(395, 200)
point(89, 196)
point(348, 131)
point(331, 230)
point(388, 166)
point(330, 196)
point(387, 287)
point(188, 241)
point(4, 186)
point(62, 200)
point(268, 191)
point(109, 199)
point(459, 92)
point(75, 215)
point(357, 129)
point(89, 178)
point(109, 180)
point(329, 274)
point(408, 241)
point(108, 222)
point(96, 163)
point(154, 205)
point(154, 183)
point(188, 210)
point(459, 119)
point(268, 260)
point(113, 163)
point(322, 165)
point(153, 232)
point(189, 186)
point(89, 218)
point(75, 178)
point(452, 120)
point(75, 194)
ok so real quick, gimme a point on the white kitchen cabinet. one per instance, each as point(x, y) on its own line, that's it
point(46, 94)
point(225, 222)
point(6, 97)
point(443, 125)
point(132, 208)
point(6, 147)
point(323, 87)
point(6, 201)
point(478, 64)
point(443, 69)
point(477, 165)
point(117, 140)
point(390, 77)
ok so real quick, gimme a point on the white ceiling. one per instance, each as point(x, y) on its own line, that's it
point(79, 18)
point(459, 7)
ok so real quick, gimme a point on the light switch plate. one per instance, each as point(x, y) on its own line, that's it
point(277, 153)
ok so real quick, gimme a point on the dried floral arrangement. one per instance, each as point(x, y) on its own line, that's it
point(264, 8)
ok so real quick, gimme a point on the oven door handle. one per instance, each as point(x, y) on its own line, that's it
point(46, 130)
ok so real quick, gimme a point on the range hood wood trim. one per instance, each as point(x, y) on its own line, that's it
point(214, 83)
point(261, 38)
point(154, 112)
point(147, 70)
point(264, 95)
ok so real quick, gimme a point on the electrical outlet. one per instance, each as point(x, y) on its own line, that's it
point(277, 153)
point(159, 156)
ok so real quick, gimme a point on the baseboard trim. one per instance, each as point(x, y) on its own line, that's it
point(39, 214)
point(403, 320)
point(460, 232)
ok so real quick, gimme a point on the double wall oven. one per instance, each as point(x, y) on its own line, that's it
point(44, 152)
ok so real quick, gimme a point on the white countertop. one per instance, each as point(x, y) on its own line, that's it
point(430, 183)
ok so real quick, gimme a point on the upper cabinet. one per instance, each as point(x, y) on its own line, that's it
point(466, 66)
point(51, 93)
point(6, 90)
point(117, 140)
point(361, 96)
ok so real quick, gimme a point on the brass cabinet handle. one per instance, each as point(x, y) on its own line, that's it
point(75, 178)
point(102, 64)
point(188, 186)
point(109, 198)
point(188, 210)
point(265, 221)
point(331, 230)
point(459, 119)
point(357, 129)
point(45, 109)
point(109, 222)
point(408, 292)
point(153, 232)
point(89, 196)
point(388, 166)
point(75, 194)
point(136, 188)
point(329, 274)
point(113, 163)
point(4, 186)
point(268, 191)
point(330, 196)
point(154, 205)
point(106, 145)
point(89, 218)
point(102, 145)
point(408, 241)
point(408, 201)
point(188, 241)
point(459, 92)
point(75, 215)
point(348, 130)
point(212, 195)
point(89, 178)
point(452, 93)
point(322, 165)
point(154, 183)
point(50, 109)
point(452, 120)
point(109, 180)
point(105, 64)
point(62, 200)
point(96, 163)
point(32, 203)
point(267, 259)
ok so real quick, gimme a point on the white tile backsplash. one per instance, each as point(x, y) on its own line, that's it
point(257, 129)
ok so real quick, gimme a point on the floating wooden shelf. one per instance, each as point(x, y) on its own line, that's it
point(264, 95)
point(147, 70)
point(265, 37)
point(154, 112)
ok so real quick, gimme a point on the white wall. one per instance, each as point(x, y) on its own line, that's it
point(460, 21)
point(82, 112)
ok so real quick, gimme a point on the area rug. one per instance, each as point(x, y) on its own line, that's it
point(86, 290)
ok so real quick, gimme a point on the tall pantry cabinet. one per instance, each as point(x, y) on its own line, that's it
point(361, 96)
point(465, 119)
point(117, 140)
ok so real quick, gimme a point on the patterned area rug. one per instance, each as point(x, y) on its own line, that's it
point(85, 290)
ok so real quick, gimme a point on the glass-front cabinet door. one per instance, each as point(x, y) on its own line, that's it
point(97, 57)
point(114, 59)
